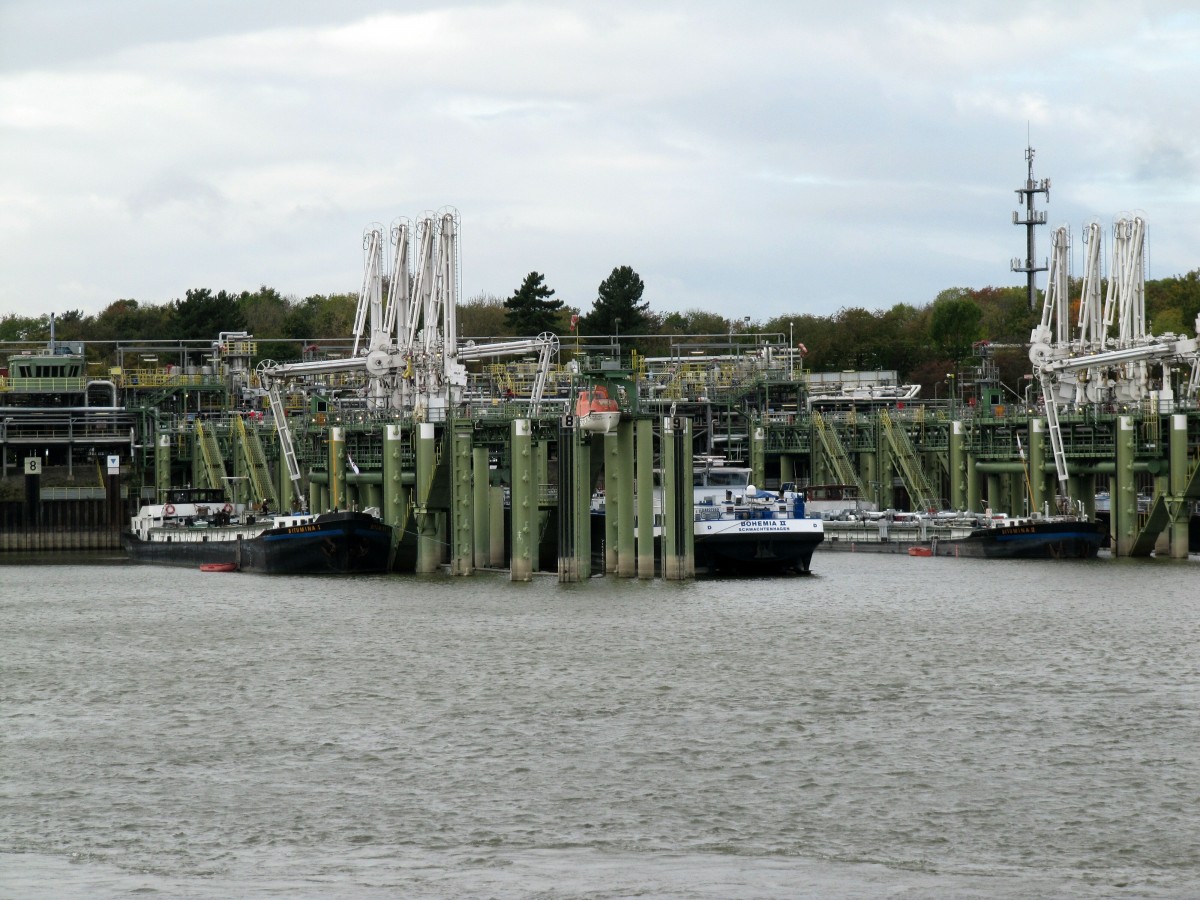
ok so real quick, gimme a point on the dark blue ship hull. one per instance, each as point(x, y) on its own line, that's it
point(336, 543)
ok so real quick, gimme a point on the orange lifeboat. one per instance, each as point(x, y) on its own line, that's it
point(920, 551)
point(596, 411)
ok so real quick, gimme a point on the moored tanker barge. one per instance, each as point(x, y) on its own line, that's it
point(196, 527)
point(978, 537)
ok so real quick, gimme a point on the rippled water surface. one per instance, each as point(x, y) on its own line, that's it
point(888, 727)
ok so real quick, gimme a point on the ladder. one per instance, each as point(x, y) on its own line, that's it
point(210, 451)
point(256, 463)
point(1055, 431)
point(835, 451)
point(285, 443)
point(920, 491)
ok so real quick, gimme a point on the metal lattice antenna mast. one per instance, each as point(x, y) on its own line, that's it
point(1032, 219)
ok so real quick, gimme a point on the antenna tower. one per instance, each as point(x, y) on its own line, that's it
point(1032, 219)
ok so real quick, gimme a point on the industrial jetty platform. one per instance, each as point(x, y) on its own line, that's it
point(472, 452)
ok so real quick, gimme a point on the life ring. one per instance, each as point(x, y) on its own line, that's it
point(228, 507)
point(169, 510)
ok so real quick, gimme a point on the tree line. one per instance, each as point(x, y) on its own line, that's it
point(923, 343)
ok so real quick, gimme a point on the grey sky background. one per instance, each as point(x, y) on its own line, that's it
point(754, 158)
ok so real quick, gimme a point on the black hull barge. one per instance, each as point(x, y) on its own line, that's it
point(195, 530)
point(1034, 538)
point(770, 543)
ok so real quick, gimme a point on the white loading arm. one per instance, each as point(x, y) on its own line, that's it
point(1183, 349)
point(370, 298)
point(1154, 349)
point(395, 317)
point(549, 349)
point(313, 367)
point(1052, 425)
point(546, 346)
point(279, 414)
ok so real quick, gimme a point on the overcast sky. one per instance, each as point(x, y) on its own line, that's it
point(753, 158)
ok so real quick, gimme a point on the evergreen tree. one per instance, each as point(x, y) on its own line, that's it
point(530, 310)
point(619, 306)
point(205, 315)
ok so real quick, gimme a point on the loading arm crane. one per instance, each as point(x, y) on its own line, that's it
point(1166, 349)
point(388, 361)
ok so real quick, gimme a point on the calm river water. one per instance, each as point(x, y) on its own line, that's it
point(888, 727)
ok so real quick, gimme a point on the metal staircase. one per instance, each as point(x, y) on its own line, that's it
point(835, 452)
point(1165, 511)
point(256, 463)
point(920, 491)
point(210, 452)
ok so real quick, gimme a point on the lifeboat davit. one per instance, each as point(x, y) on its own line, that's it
point(596, 411)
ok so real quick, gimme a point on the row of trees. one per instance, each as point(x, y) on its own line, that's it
point(922, 343)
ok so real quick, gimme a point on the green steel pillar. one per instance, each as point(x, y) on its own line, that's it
point(317, 494)
point(198, 477)
point(581, 511)
point(239, 488)
point(496, 526)
point(612, 502)
point(279, 477)
point(958, 467)
point(283, 486)
point(758, 454)
point(885, 466)
point(481, 506)
point(1037, 464)
point(429, 548)
point(1162, 488)
point(687, 486)
point(1087, 494)
point(787, 469)
point(523, 503)
point(574, 502)
point(395, 496)
point(1124, 491)
point(1074, 489)
point(670, 500)
point(645, 498)
point(1018, 494)
point(678, 531)
point(337, 467)
point(462, 515)
point(868, 466)
point(626, 558)
point(162, 466)
point(974, 501)
point(995, 499)
point(1178, 547)
point(541, 488)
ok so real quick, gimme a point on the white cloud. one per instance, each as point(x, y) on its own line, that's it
point(788, 155)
